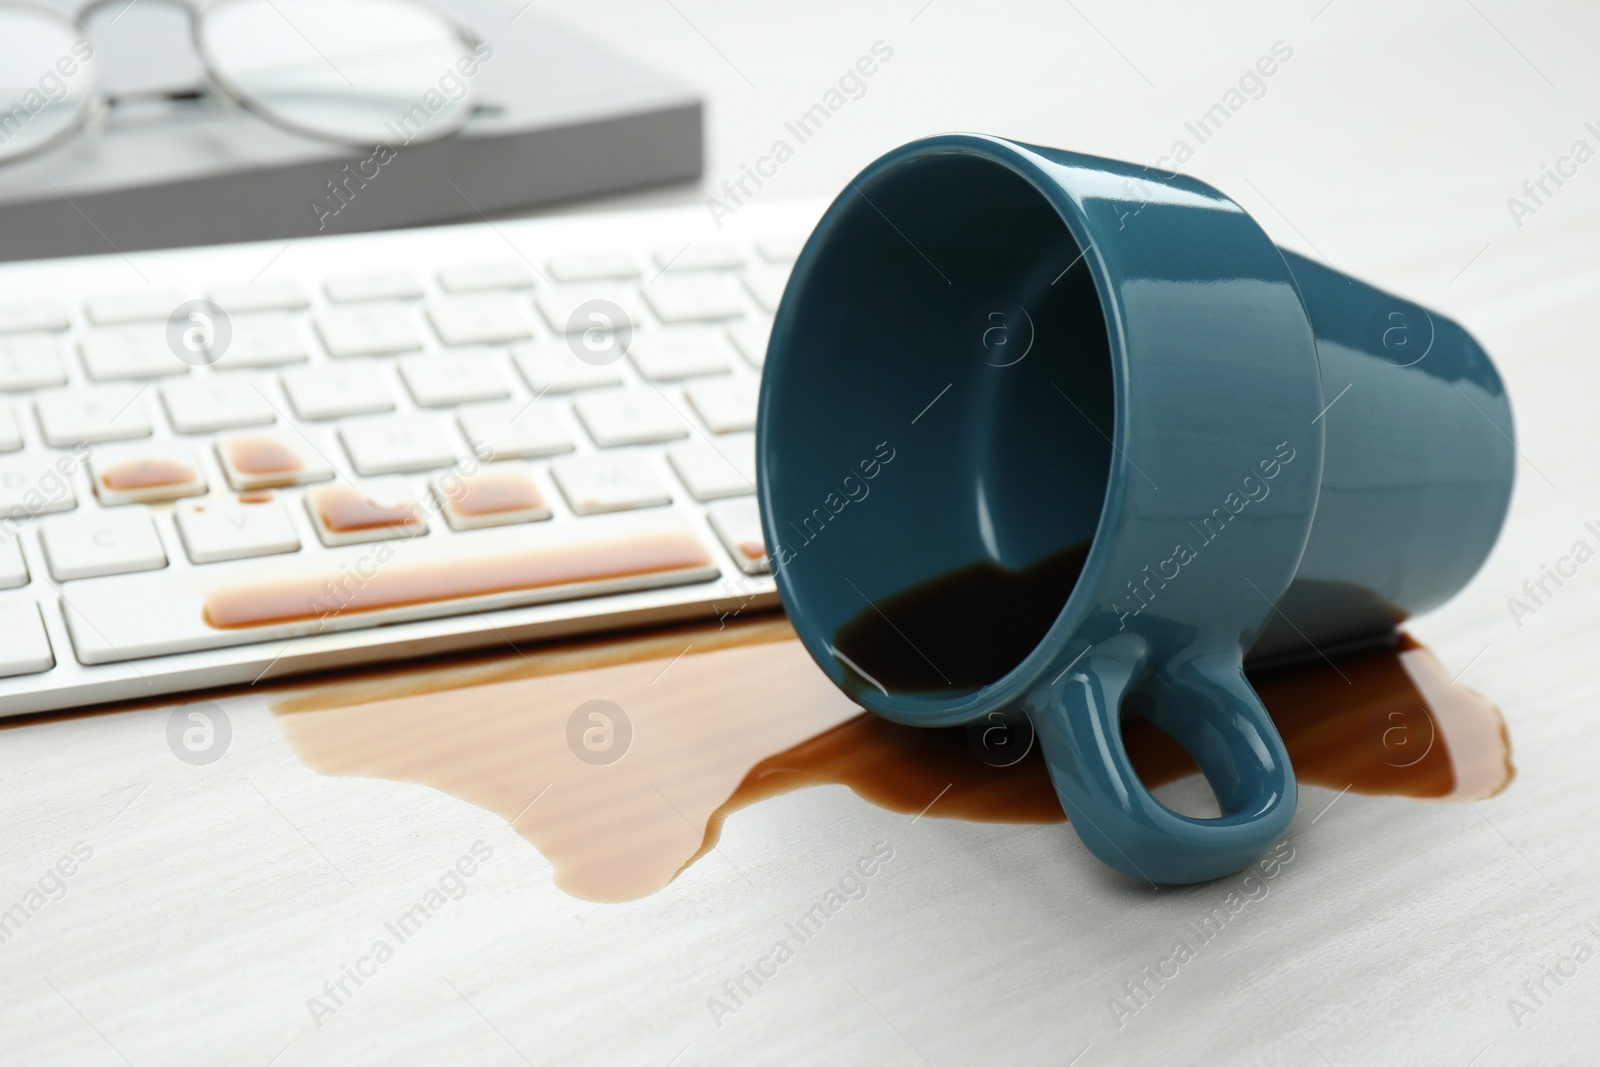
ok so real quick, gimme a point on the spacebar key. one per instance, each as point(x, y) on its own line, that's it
point(159, 613)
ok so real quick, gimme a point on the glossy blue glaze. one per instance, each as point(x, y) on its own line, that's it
point(991, 351)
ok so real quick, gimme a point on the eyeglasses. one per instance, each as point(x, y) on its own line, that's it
point(354, 72)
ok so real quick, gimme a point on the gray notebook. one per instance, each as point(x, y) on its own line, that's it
point(566, 117)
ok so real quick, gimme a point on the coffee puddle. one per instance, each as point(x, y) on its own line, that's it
point(621, 760)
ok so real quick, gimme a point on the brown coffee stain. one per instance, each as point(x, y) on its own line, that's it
point(725, 718)
point(495, 494)
point(152, 473)
point(306, 595)
point(263, 455)
point(344, 509)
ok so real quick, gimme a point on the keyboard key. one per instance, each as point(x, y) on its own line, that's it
point(30, 361)
point(738, 524)
point(263, 339)
point(389, 285)
point(453, 378)
point(726, 405)
point(750, 338)
point(259, 296)
point(781, 249)
point(514, 430)
point(375, 510)
point(474, 277)
point(479, 319)
point(149, 305)
point(140, 615)
point(216, 402)
point(615, 481)
point(599, 305)
point(592, 268)
point(552, 367)
point(334, 392)
point(145, 472)
point(392, 444)
point(683, 352)
point(711, 256)
point(269, 460)
point(32, 315)
point(91, 414)
point(217, 529)
point(766, 284)
point(494, 495)
point(10, 432)
point(35, 485)
point(712, 472)
point(26, 649)
point(694, 298)
point(367, 330)
point(101, 542)
point(629, 417)
point(129, 353)
point(13, 569)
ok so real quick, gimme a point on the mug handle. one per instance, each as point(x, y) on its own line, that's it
point(1207, 706)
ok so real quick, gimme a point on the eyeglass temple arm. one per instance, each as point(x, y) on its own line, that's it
point(200, 94)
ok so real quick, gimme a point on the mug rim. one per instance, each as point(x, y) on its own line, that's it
point(931, 709)
point(1041, 172)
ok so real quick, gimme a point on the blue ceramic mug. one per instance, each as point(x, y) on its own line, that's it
point(1049, 432)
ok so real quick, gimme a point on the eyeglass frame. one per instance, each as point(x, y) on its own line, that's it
point(98, 100)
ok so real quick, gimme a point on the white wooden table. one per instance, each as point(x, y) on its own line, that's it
point(218, 899)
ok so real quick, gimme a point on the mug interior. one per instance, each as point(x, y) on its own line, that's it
point(936, 436)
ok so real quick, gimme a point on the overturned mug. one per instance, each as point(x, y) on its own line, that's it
point(1048, 432)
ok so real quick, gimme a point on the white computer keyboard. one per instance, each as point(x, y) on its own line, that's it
point(385, 445)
